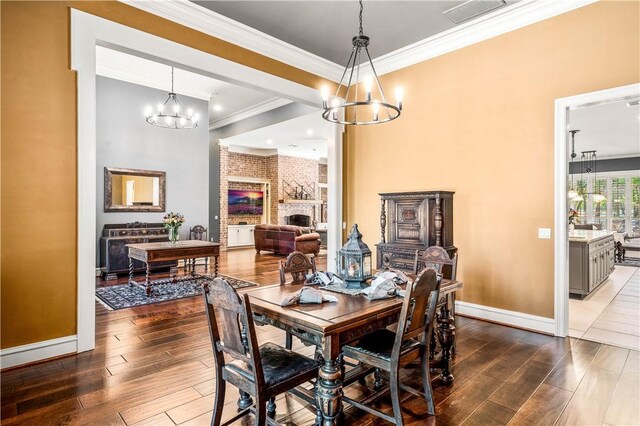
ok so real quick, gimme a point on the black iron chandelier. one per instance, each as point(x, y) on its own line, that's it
point(360, 108)
point(171, 114)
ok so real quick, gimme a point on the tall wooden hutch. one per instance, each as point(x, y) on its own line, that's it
point(413, 220)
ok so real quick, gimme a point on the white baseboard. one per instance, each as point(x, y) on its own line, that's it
point(19, 355)
point(98, 272)
point(503, 316)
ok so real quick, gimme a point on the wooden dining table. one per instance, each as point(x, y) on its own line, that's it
point(329, 326)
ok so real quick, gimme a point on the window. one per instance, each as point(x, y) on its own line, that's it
point(635, 204)
point(619, 210)
point(618, 204)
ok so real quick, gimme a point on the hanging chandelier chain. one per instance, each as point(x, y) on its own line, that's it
point(172, 80)
point(361, 8)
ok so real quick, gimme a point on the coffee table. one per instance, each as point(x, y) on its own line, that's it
point(160, 252)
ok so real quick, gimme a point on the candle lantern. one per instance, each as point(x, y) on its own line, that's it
point(354, 260)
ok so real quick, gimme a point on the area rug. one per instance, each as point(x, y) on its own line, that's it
point(125, 296)
point(630, 262)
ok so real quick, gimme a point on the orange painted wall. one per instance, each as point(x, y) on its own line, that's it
point(38, 181)
point(479, 121)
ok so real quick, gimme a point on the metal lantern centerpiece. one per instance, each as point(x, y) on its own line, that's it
point(354, 260)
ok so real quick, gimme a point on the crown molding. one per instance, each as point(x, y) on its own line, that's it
point(501, 21)
point(265, 106)
point(204, 20)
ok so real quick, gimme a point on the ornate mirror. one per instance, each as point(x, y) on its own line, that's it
point(131, 190)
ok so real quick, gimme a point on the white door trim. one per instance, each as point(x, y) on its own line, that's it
point(87, 31)
point(561, 262)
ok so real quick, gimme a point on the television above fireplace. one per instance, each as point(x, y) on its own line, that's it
point(245, 203)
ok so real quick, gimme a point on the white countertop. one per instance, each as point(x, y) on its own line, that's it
point(584, 236)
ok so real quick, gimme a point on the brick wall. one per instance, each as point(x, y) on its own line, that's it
point(275, 169)
point(322, 173)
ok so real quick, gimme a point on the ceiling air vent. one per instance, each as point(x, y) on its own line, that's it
point(471, 9)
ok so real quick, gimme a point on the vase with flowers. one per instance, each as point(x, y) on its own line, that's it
point(573, 218)
point(173, 222)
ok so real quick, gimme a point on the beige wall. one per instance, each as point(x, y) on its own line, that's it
point(479, 121)
point(38, 247)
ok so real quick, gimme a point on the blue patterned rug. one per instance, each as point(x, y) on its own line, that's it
point(124, 296)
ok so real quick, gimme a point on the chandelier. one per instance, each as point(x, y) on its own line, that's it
point(360, 108)
point(588, 164)
point(171, 114)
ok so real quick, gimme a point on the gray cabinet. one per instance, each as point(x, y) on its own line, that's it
point(590, 264)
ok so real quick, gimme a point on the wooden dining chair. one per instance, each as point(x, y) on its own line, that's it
point(263, 371)
point(298, 265)
point(437, 258)
point(388, 350)
point(197, 232)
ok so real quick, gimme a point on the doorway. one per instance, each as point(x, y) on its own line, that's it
point(563, 107)
point(87, 32)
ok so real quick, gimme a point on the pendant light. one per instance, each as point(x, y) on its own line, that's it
point(368, 106)
point(572, 191)
point(171, 114)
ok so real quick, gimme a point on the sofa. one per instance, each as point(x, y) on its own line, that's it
point(285, 239)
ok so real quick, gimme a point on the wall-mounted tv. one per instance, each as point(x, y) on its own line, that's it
point(245, 203)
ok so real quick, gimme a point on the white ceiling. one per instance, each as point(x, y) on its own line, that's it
point(228, 102)
point(613, 129)
point(325, 28)
point(308, 133)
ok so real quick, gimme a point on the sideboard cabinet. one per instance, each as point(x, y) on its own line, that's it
point(410, 221)
point(114, 255)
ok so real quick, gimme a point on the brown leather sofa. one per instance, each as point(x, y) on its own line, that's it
point(285, 239)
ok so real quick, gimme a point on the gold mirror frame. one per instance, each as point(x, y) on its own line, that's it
point(109, 172)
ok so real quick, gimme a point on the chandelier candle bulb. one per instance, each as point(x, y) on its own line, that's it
point(325, 95)
point(399, 95)
point(368, 85)
point(376, 110)
point(160, 108)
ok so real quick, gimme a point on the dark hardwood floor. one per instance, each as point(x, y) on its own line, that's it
point(153, 366)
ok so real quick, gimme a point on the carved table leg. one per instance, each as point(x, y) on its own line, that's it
point(131, 282)
point(447, 341)
point(329, 392)
point(215, 265)
point(147, 280)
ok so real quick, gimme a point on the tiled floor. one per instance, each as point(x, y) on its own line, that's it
point(612, 314)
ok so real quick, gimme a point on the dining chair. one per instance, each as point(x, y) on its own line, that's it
point(388, 350)
point(298, 265)
point(197, 232)
point(263, 371)
point(437, 258)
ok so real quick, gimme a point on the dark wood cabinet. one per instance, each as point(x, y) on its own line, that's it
point(410, 221)
point(114, 255)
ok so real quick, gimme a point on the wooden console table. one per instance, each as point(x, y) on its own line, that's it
point(165, 251)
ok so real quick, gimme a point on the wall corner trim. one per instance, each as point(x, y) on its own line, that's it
point(38, 351)
point(503, 316)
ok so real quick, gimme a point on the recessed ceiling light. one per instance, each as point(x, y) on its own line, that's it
point(293, 146)
point(217, 107)
point(633, 103)
point(309, 132)
point(269, 142)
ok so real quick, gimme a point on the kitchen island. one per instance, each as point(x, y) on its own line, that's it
point(591, 260)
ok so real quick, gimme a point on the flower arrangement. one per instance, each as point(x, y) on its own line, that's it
point(173, 222)
point(573, 216)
